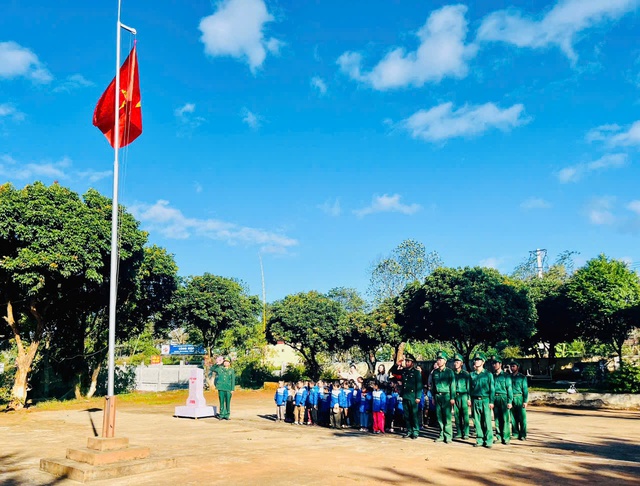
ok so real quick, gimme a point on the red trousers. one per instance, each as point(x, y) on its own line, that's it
point(378, 422)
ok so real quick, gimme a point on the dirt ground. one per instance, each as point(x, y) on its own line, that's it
point(565, 446)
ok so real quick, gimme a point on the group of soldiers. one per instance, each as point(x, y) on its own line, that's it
point(505, 394)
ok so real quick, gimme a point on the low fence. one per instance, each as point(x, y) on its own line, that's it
point(163, 377)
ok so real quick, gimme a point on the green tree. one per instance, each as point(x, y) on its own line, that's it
point(605, 300)
point(468, 307)
point(373, 330)
point(311, 323)
point(213, 305)
point(408, 262)
point(52, 248)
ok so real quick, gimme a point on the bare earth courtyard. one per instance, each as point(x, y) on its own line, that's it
point(565, 446)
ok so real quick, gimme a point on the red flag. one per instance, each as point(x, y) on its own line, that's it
point(129, 113)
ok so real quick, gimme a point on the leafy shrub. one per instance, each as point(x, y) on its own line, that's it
point(6, 383)
point(124, 380)
point(254, 374)
point(294, 373)
point(625, 379)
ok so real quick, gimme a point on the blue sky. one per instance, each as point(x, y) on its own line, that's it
point(320, 135)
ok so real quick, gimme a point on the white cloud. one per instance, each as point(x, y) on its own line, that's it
point(558, 26)
point(441, 122)
point(442, 52)
point(12, 170)
point(47, 171)
point(17, 61)
point(319, 84)
point(387, 204)
point(251, 119)
point(187, 118)
point(236, 29)
point(10, 111)
point(183, 110)
point(576, 172)
point(94, 175)
point(634, 206)
point(73, 82)
point(599, 211)
point(171, 223)
point(535, 203)
point(491, 262)
point(332, 208)
point(615, 135)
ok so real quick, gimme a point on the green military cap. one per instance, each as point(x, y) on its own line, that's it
point(226, 358)
point(458, 357)
point(409, 356)
point(514, 362)
point(442, 355)
point(479, 356)
point(497, 359)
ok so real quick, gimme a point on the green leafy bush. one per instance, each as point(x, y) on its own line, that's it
point(254, 374)
point(625, 379)
point(294, 373)
point(124, 380)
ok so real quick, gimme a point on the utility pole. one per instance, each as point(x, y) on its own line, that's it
point(541, 255)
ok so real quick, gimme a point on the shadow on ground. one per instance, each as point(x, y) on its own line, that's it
point(11, 467)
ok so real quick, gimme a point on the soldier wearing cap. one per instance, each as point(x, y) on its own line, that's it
point(462, 400)
point(443, 389)
point(520, 398)
point(502, 402)
point(225, 383)
point(411, 393)
point(482, 396)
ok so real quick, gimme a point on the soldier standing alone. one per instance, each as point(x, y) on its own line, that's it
point(411, 393)
point(520, 398)
point(443, 390)
point(226, 384)
point(482, 395)
point(462, 400)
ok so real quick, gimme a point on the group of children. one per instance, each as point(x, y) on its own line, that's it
point(369, 406)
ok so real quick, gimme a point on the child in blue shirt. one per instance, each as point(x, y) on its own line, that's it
point(337, 398)
point(378, 406)
point(281, 401)
point(391, 409)
point(364, 409)
point(300, 403)
point(311, 412)
point(324, 406)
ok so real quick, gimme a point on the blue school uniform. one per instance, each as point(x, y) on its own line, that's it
point(336, 394)
point(281, 396)
point(312, 398)
point(301, 397)
point(364, 410)
point(378, 401)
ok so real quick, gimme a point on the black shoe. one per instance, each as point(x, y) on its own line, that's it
point(476, 445)
point(406, 436)
point(414, 436)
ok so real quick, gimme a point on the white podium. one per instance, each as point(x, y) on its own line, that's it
point(196, 406)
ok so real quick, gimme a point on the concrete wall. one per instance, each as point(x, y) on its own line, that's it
point(163, 377)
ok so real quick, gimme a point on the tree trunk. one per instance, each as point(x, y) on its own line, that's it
point(25, 357)
point(399, 352)
point(371, 362)
point(94, 381)
point(77, 391)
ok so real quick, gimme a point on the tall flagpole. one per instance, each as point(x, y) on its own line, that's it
point(108, 424)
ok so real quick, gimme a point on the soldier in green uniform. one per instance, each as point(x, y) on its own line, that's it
point(502, 402)
point(482, 396)
point(443, 383)
point(462, 399)
point(520, 398)
point(411, 393)
point(225, 383)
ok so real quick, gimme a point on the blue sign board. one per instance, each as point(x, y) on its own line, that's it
point(184, 349)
